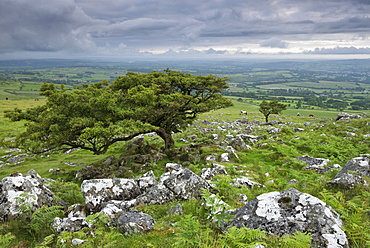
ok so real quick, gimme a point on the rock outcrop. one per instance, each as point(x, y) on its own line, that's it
point(290, 211)
point(98, 191)
point(352, 173)
point(23, 189)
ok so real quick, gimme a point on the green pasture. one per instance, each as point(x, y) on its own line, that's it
point(317, 86)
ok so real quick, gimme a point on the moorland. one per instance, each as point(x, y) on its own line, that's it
point(321, 88)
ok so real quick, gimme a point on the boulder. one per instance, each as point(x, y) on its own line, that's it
point(316, 164)
point(238, 144)
point(98, 191)
point(343, 116)
point(352, 173)
point(135, 222)
point(290, 211)
point(18, 189)
point(176, 210)
point(209, 173)
point(313, 162)
point(184, 183)
point(74, 221)
point(245, 181)
point(69, 224)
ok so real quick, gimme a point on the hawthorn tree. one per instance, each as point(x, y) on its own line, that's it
point(272, 107)
point(93, 117)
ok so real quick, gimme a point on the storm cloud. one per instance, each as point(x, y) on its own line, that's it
point(119, 27)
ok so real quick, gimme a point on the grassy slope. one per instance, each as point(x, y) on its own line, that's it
point(271, 165)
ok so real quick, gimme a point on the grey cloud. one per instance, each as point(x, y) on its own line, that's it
point(274, 43)
point(146, 25)
point(42, 25)
point(340, 50)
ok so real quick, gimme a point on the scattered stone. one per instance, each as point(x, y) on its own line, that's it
point(74, 221)
point(352, 173)
point(78, 241)
point(317, 164)
point(343, 116)
point(225, 157)
point(74, 164)
point(69, 224)
point(17, 158)
point(135, 222)
point(209, 173)
point(290, 211)
point(176, 210)
point(293, 181)
point(185, 184)
point(243, 199)
point(13, 150)
point(71, 150)
point(245, 181)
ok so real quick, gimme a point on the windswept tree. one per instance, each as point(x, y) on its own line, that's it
point(93, 117)
point(272, 107)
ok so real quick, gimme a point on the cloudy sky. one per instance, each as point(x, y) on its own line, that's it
point(174, 28)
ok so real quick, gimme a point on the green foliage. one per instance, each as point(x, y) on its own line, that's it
point(249, 238)
point(7, 240)
point(66, 191)
point(272, 107)
point(42, 220)
point(354, 206)
point(297, 240)
point(244, 237)
point(93, 117)
point(215, 208)
point(98, 235)
point(25, 204)
point(47, 242)
point(189, 232)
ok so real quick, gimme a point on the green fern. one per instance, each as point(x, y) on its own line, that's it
point(48, 241)
point(6, 240)
point(42, 219)
point(98, 235)
point(66, 191)
point(244, 237)
point(297, 240)
point(188, 232)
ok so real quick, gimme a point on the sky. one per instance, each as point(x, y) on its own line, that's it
point(119, 29)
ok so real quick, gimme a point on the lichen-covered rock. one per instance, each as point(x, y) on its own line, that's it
point(185, 184)
point(245, 181)
point(290, 211)
point(238, 143)
point(351, 173)
point(69, 224)
point(158, 194)
point(74, 221)
point(135, 222)
point(343, 116)
point(313, 162)
point(98, 191)
point(29, 187)
point(176, 210)
point(209, 173)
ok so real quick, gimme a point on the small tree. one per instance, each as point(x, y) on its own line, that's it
point(93, 117)
point(272, 107)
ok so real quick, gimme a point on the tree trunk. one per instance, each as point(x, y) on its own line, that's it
point(168, 140)
point(267, 118)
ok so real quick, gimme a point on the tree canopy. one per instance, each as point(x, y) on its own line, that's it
point(95, 116)
point(272, 107)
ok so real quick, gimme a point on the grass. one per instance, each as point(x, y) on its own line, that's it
point(272, 165)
